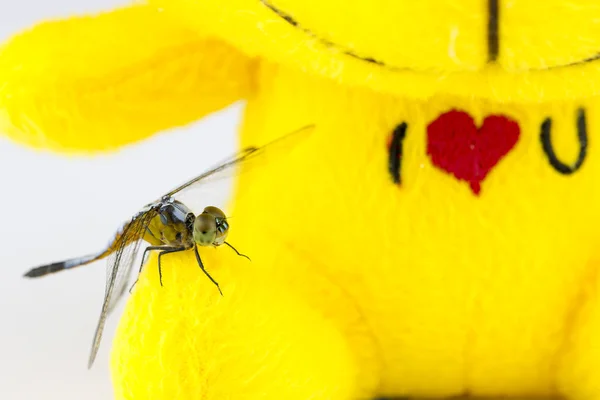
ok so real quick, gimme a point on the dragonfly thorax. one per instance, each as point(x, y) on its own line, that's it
point(171, 226)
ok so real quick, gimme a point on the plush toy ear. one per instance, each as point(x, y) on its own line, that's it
point(98, 82)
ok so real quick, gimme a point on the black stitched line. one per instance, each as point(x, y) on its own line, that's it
point(584, 61)
point(493, 39)
point(371, 60)
point(583, 144)
point(282, 14)
point(290, 20)
point(395, 152)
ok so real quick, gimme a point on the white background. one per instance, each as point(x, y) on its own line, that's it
point(54, 207)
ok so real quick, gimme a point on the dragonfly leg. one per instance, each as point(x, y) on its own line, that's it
point(167, 250)
point(204, 270)
point(237, 252)
point(150, 248)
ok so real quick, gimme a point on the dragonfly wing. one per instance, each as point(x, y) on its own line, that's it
point(120, 278)
point(119, 267)
point(248, 158)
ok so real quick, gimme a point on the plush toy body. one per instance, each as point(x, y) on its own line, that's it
point(436, 235)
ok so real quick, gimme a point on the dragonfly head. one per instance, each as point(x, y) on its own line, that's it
point(210, 227)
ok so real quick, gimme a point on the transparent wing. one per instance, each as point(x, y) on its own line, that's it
point(250, 155)
point(119, 266)
point(119, 275)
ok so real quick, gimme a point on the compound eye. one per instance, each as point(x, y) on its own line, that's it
point(222, 231)
point(214, 211)
point(205, 230)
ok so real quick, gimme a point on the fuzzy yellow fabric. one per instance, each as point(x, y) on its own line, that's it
point(437, 285)
point(129, 74)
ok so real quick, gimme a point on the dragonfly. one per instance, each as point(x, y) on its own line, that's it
point(168, 226)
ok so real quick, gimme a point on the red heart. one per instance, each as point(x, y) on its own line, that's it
point(455, 145)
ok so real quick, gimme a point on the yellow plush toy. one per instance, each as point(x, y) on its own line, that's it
point(436, 235)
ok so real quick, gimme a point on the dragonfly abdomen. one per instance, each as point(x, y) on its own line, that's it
point(62, 265)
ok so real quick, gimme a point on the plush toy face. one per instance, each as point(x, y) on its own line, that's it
point(474, 47)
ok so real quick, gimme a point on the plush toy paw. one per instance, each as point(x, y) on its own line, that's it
point(260, 340)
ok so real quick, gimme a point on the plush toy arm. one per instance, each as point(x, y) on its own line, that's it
point(257, 342)
point(97, 82)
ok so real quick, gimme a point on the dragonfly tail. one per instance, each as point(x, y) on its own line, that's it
point(62, 265)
